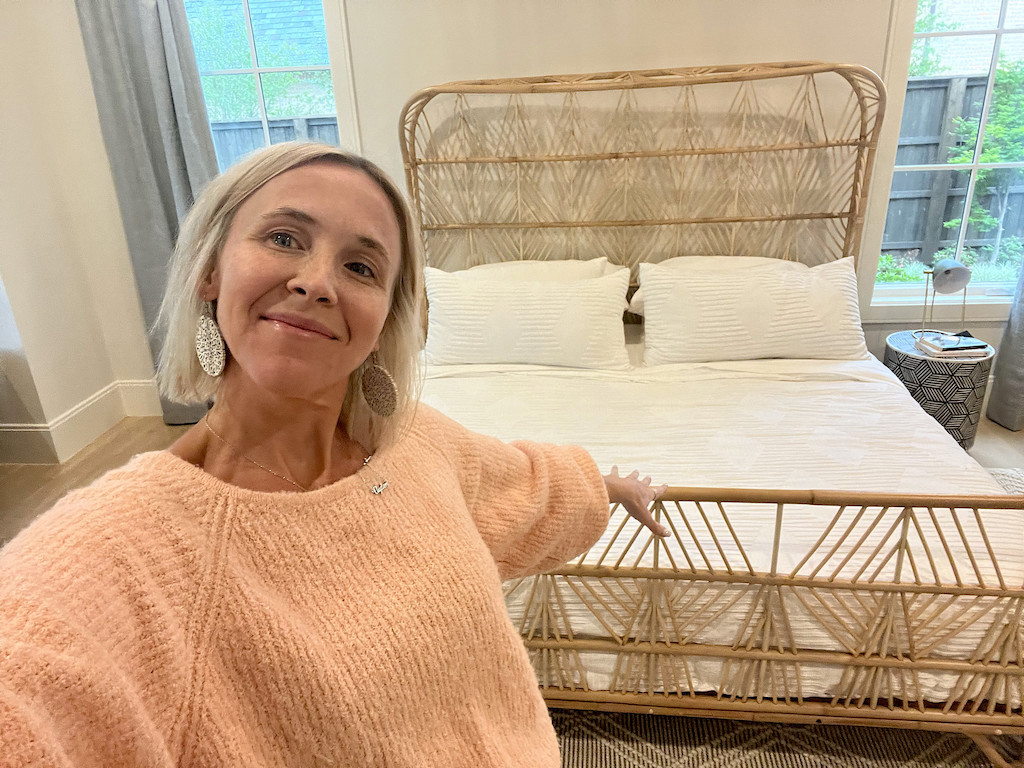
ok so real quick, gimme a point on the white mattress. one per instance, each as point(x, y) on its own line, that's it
point(793, 424)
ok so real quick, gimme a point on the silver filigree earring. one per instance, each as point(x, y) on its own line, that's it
point(379, 388)
point(210, 347)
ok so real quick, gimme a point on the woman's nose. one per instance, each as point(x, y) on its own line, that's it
point(315, 279)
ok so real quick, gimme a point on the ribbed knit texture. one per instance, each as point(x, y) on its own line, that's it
point(162, 617)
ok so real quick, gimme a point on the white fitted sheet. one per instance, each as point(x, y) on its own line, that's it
point(790, 424)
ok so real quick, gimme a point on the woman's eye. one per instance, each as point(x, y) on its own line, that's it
point(282, 239)
point(360, 269)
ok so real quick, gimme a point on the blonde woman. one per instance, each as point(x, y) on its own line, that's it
point(312, 574)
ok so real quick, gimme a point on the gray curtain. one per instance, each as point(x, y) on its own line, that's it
point(155, 130)
point(1006, 401)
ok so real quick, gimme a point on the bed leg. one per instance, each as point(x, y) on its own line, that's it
point(997, 756)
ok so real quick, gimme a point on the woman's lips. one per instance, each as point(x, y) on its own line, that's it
point(301, 325)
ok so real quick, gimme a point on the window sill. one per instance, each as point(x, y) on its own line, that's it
point(900, 308)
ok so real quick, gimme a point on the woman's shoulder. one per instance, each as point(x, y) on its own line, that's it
point(432, 427)
point(126, 508)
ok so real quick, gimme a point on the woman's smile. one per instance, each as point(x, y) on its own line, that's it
point(303, 327)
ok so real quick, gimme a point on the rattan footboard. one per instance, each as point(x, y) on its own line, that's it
point(894, 580)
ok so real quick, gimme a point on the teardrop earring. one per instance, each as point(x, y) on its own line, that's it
point(379, 388)
point(210, 347)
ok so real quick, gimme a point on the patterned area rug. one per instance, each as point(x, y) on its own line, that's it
point(616, 740)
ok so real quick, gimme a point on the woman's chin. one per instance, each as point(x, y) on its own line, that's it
point(294, 379)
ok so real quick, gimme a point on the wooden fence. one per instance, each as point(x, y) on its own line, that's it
point(233, 141)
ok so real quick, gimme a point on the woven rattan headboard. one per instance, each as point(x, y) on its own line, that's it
point(750, 160)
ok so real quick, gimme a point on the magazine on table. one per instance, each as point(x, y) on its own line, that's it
point(938, 344)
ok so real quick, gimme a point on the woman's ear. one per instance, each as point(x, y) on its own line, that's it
point(209, 289)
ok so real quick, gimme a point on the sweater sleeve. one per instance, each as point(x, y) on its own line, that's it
point(78, 654)
point(535, 505)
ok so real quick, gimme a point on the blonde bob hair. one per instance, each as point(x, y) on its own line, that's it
point(200, 240)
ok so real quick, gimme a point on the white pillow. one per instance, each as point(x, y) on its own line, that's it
point(574, 323)
point(560, 270)
point(743, 310)
point(708, 263)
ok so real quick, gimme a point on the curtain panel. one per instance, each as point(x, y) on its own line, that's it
point(154, 126)
point(1006, 400)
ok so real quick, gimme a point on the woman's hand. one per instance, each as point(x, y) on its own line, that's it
point(635, 495)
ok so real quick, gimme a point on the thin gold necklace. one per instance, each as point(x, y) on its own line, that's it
point(377, 488)
point(215, 433)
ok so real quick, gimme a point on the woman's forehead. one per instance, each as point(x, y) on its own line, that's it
point(326, 193)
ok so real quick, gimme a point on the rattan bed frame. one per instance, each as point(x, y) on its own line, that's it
point(760, 160)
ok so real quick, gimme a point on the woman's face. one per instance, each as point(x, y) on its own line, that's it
point(303, 282)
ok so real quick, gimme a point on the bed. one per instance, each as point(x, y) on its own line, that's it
point(821, 567)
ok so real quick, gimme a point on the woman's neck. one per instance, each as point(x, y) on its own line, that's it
point(257, 439)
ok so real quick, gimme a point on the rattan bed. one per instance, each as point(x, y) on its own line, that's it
point(759, 160)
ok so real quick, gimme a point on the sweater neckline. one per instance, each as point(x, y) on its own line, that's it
point(167, 463)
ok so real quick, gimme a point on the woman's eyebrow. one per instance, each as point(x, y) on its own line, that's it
point(293, 213)
point(373, 245)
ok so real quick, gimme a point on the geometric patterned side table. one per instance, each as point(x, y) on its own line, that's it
point(950, 389)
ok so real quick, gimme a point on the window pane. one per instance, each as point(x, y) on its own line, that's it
point(298, 94)
point(230, 97)
point(289, 34)
point(1014, 14)
point(925, 208)
point(964, 56)
point(942, 108)
point(949, 15)
point(1004, 131)
point(994, 245)
point(218, 34)
point(234, 114)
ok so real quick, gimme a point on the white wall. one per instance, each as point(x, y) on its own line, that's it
point(398, 47)
point(64, 260)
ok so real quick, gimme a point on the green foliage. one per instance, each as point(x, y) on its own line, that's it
point(221, 42)
point(219, 39)
point(898, 269)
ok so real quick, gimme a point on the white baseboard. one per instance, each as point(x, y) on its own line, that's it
point(140, 397)
point(61, 438)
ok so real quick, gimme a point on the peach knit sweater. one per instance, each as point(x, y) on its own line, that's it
point(161, 617)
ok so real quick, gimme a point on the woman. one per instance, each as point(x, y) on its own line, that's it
point(312, 574)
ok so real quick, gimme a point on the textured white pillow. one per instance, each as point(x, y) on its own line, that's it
point(560, 270)
point(733, 310)
point(574, 323)
point(709, 263)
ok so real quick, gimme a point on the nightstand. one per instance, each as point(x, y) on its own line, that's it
point(950, 389)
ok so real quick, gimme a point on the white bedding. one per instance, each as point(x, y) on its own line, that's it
point(793, 424)
point(797, 424)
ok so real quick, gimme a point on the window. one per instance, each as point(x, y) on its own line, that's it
point(958, 185)
point(265, 73)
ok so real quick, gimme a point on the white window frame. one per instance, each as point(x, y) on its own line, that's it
point(886, 302)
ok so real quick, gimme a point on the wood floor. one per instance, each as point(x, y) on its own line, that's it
point(26, 490)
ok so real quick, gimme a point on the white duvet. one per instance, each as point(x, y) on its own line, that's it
point(790, 424)
point(796, 424)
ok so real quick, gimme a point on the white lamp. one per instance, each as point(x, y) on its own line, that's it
point(947, 276)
